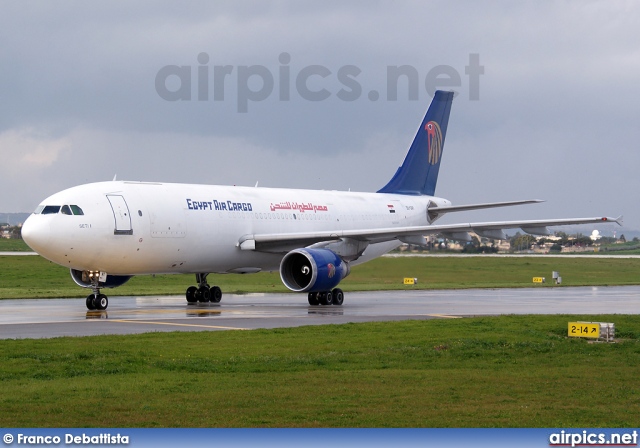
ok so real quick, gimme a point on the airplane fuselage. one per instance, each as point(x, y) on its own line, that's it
point(136, 228)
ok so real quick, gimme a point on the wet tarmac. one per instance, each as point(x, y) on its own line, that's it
point(45, 318)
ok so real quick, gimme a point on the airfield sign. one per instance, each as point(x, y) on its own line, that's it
point(584, 330)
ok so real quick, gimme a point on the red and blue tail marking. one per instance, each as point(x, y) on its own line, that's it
point(418, 173)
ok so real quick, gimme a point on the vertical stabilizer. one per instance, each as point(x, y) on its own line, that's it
point(419, 171)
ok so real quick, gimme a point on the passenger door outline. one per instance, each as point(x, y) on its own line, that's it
point(121, 215)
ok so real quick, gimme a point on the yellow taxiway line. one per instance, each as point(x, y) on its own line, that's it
point(128, 321)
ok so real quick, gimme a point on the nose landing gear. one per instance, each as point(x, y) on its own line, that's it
point(96, 301)
point(203, 292)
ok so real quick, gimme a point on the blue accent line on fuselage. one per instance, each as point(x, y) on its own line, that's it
point(418, 173)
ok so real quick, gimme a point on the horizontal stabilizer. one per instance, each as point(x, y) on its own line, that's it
point(435, 211)
point(462, 208)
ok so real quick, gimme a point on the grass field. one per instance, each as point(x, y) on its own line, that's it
point(7, 245)
point(32, 276)
point(511, 371)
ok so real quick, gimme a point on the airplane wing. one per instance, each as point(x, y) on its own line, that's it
point(284, 242)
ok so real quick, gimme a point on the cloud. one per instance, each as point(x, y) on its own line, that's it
point(28, 151)
point(556, 116)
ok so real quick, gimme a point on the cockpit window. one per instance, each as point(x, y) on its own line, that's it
point(53, 209)
point(50, 209)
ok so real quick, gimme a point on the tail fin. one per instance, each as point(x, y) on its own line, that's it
point(419, 171)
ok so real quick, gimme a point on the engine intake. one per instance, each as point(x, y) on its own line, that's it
point(312, 270)
point(81, 278)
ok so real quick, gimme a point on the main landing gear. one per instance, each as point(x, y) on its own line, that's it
point(335, 297)
point(203, 292)
point(95, 300)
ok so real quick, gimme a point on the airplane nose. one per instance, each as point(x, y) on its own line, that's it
point(36, 232)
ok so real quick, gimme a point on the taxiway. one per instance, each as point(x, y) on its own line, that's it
point(45, 318)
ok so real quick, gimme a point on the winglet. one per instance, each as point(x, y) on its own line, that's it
point(617, 220)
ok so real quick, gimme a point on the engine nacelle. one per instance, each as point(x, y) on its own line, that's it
point(82, 279)
point(312, 270)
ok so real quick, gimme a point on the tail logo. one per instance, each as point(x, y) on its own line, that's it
point(434, 141)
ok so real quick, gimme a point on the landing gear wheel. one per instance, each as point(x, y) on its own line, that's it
point(313, 299)
point(191, 294)
point(96, 301)
point(101, 302)
point(203, 294)
point(325, 297)
point(338, 296)
point(216, 294)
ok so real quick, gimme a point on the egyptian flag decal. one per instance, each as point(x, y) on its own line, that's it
point(391, 208)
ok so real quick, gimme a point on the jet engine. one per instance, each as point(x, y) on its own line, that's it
point(312, 270)
point(82, 278)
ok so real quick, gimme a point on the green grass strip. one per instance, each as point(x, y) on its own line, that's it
point(34, 277)
point(509, 371)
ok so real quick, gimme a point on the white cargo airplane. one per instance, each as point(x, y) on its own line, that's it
point(107, 232)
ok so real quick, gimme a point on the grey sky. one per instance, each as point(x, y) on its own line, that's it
point(556, 118)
